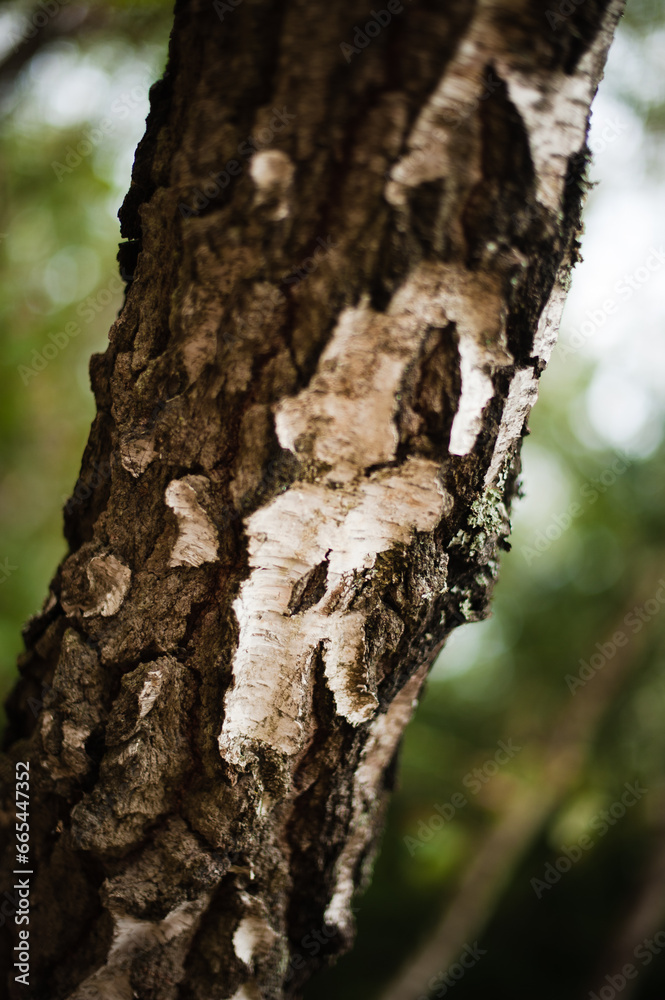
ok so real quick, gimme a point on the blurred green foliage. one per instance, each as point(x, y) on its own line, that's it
point(503, 679)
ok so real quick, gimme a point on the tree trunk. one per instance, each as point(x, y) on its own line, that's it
point(348, 239)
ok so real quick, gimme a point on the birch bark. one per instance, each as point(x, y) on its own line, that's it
point(349, 237)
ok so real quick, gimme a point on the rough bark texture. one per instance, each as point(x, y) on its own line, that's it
point(299, 475)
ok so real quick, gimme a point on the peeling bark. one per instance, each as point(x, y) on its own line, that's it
point(347, 279)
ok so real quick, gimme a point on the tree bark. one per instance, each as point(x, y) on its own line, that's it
point(348, 249)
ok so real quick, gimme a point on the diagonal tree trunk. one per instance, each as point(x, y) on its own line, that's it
point(349, 238)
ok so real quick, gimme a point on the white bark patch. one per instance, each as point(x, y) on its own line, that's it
point(109, 581)
point(72, 757)
point(253, 936)
point(150, 691)
point(247, 992)
point(349, 406)
point(200, 346)
point(350, 402)
point(477, 390)
point(344, 419)
point(132, 937)
point(254, 942)
point(433, 145)
point(197, 539)
point(522, 395)
point(73, 736)
point(385, 733)
point(272, 171)
point(555, 109)
point(549, 323)
point(288, 538)
point(443, 293)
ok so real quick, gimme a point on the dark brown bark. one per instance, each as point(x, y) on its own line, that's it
point(299, 475)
